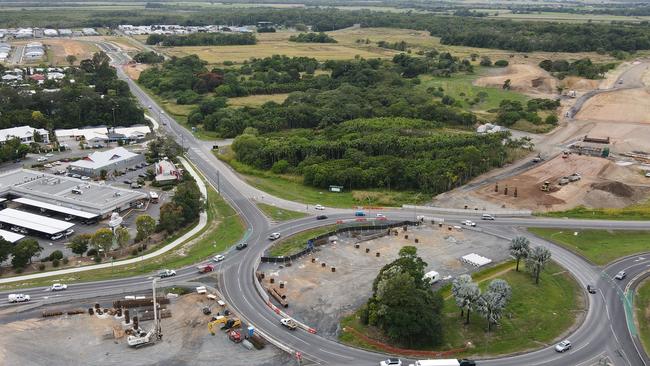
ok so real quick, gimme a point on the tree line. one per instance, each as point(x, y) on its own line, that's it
point(312, 38)
point(148, 57)
point(584, 68)
point(202, 39)
point(392, 153)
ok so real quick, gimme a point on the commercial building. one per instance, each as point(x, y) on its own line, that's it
point(25, 134)
point(103, 134)
point(166, 171)
point(118, 159)
point(66, 195)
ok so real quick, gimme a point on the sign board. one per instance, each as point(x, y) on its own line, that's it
point(336, 188)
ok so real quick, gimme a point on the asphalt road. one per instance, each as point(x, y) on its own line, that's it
point(603, 333)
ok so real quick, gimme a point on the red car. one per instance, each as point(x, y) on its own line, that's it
point(205, 269)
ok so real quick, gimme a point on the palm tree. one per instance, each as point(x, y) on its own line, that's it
point(466, 293)
point(536, 260)
point(519, 248)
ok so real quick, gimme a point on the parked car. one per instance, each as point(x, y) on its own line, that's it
point(466, 362)
point(41, 158)
point(68, 218)
point(69, 232)
point(48, 165)
point(321, 217)
point(18, 298)
point(289, 323)
point(391, 362)
point(563, 346)
point(218, 258)
point(127, 182)
point(166, 273)
point(76, 176)
point(241, 246)
point(319, 207)
point(274, 236)
point(49, 155)
point(85, 177)
point(56, 236)
point(135, 185)
point(620, 275)
point(58, 287)
point(591, 289)
point(469, 223)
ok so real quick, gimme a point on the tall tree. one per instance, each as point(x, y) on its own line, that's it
point(494, 300)
point(103, 239)
point(145, 225)
point(519, 248)
point(536, 260)
point(122, 236)
point(188, 198)
point(79, 244)
point(169, 220)
point(5, 250)
point(71, 59)
point(467, 294)
point(24, 251)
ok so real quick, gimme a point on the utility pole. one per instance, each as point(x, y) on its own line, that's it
point(155, 311)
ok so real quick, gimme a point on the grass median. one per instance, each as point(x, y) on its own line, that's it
point(642, 311)
point(298, 242)
point(279, 214)
point(224, 229)
point(639, 211)
point(598, 246)
point(535, 316)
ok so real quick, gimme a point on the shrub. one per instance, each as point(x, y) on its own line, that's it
point(135, 251)
point(98, 259)
point(501, 63)
point(55, 263)
point(56, 255)
point(65, 260)
point(41, 267)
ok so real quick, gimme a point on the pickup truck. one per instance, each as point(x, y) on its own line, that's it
point(166, 273)
point(289, 323)
point(18, 298)
point(206, 268)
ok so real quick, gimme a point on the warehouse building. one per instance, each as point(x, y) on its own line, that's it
point(117, 159)
point(25, 134)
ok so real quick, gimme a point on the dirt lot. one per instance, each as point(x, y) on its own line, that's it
point(60, 48)
point(603, 184)
point(524, 78)
point(134, 70)
point(88, 340)
point(608, 107)
point(320, 298)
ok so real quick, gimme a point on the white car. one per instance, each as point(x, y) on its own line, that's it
point(647, 175)
point(58, 287)
point(289, 323)
point(41, 159)
point(56, 236)
point(380, 215)
point(49, 155)
point(274, 236)
point(563, 346)
point(18, 298)
point(319, 207)
point(218, 257)
point(84, 177)
point(469, 223)
point(69, 232)
point(391, 362)
point(48, 165)
point(166, 273)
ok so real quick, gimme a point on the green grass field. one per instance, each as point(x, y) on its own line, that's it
point(598, 246)
point(642, 311)
point(291, 188)
point(298, 242)
point(535, 316)
point(224, 229)
point(279, 214)
point(568, 17)
point(257, 100)
point(639, 211)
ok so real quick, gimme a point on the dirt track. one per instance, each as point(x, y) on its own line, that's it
point(525, 78)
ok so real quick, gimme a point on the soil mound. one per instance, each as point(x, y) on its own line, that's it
point(616, 188)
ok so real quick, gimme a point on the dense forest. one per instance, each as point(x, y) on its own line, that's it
point(96, 97)
point(393, 153)
point(312, 38)
point(202, 39)
point(523, 36)
point(584, 68)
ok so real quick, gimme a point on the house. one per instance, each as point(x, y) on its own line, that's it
point(89, 32)
point(50, 33)
point(37, 77)
point(117, 159)
point(166, 171)
point(65, 32)
point(55, 76)
point(25, 134)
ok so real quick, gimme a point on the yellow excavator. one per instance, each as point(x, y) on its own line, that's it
point(216, 321)
point(546, 187)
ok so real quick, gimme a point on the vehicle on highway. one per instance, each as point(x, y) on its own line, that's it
point(469, 223)
point(205, 268)
point(274, 236)
point(466, 362)
point(391, 362)
point(56, 236)
point(620, 275)
point(166, 273)
point(18, 298)
point(563, 346)
point(321, 217)
point(319, 207)
point(487, 217)
point(380, 215)
point(443, 362)
point(49, 155)
point(359, 213)
point(218, 258)
point(58, 287)
point(289, 323)
point(241, 246)
point(591, 289)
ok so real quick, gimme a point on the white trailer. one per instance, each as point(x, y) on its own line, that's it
point(448, 362)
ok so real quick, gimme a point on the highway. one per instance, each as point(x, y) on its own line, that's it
point(602, 333)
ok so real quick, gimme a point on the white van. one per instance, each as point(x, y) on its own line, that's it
point(433, 276)
point(18, 298)
point(487, 217)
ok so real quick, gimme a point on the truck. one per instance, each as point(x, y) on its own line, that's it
point(444, 362)
point(18, 298)
point(289, 323)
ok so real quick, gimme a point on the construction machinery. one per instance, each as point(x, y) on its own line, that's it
point(574, 177)
point(564, 181)
point(141, 338)
point(216, 321)
point(234, 336)
point(546, 186)
point(231, 324)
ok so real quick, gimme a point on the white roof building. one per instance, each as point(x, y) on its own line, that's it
point(118, 158)
point(50, 33)
point(24, 133)
point(166, 171)
point(101, 134)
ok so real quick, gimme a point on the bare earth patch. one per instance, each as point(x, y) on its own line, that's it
point(631, 106)
point(524, 78)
